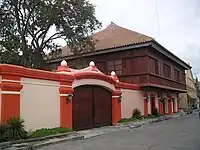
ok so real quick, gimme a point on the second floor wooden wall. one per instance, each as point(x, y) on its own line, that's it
point(139, 66)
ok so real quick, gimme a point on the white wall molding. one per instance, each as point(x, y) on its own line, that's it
point(10, 92)
point(64, 95)
point(115, 96)
point(35, 83)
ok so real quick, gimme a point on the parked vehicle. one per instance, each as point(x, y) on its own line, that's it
point(194, 106)
point(190, 110)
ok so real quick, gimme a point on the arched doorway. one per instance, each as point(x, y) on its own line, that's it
point(91, 107)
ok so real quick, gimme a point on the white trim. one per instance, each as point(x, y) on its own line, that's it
point(10, 92)
point(115, 96)
point(64, 94)
point(35, 83)
point(15, 81)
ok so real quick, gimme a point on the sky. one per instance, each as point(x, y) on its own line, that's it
point(175, 24)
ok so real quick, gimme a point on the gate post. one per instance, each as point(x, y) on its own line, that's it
point(10, 97)
point(66, 90)
point(116, 106)
point(116, 101)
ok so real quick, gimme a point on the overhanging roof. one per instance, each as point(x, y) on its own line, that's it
point(154, 44)
point(115, 38)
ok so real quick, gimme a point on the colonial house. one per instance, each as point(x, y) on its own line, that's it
point(136, 59)
point(189, 98)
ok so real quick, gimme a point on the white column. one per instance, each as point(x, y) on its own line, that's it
point(175, 102)
point(149, 106)
point(166, 105)
point(157, 102)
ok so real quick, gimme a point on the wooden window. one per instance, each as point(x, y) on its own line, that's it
point(176, 75)
point(128, 66)
point(101, 67)
point(183, 78)
point(166, 71)
point(116, 66)
point(154, 68)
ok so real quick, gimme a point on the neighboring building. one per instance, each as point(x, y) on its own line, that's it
point(136, 59)
point(198, 92)
point(190, 98)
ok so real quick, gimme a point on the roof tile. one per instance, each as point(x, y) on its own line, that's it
point(113, 36)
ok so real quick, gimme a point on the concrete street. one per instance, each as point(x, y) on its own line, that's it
point(176, 134)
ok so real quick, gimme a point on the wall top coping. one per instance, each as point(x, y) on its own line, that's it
point(13, 70)
point(65, 74)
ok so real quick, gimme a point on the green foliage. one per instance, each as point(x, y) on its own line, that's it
point(125, 120)
point(155, 112)
point(16, 130)
point(29, 28)
point(13, 130)
point(46, 132)
point(136, 114)
point(4, 132)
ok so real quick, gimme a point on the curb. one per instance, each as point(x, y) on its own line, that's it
point(50, 142)
point(36, 146)
point(5, 145)
point(133, 125)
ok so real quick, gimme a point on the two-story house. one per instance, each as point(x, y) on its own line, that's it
point(137, 59)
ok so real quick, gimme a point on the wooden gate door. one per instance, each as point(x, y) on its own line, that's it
point(82, 108)
point(102, 107)
point(91, 107)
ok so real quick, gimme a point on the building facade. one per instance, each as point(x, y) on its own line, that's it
point(69, 98)
point(136, 59)
point(190, 98)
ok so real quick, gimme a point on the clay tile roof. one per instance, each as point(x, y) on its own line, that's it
point(114, 36)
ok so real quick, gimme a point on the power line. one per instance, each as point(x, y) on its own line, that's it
point(157, 15)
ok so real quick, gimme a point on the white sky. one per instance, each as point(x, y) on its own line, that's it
point(179, 23)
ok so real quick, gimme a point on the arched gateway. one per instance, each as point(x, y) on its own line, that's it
point(95, 98)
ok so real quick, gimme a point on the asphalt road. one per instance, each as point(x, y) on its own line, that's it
point(177, 134)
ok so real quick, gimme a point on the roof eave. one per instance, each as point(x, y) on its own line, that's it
point(169, 54)
point(103, 51)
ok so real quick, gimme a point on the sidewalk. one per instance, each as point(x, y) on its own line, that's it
point(81, 135)
point(137, 124)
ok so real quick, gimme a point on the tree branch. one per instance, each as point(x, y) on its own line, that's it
point(29, 16)
point(53, 37)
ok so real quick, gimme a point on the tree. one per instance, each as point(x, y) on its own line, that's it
point(28, 28)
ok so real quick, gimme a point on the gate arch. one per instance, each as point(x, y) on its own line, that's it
point(94, 82)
